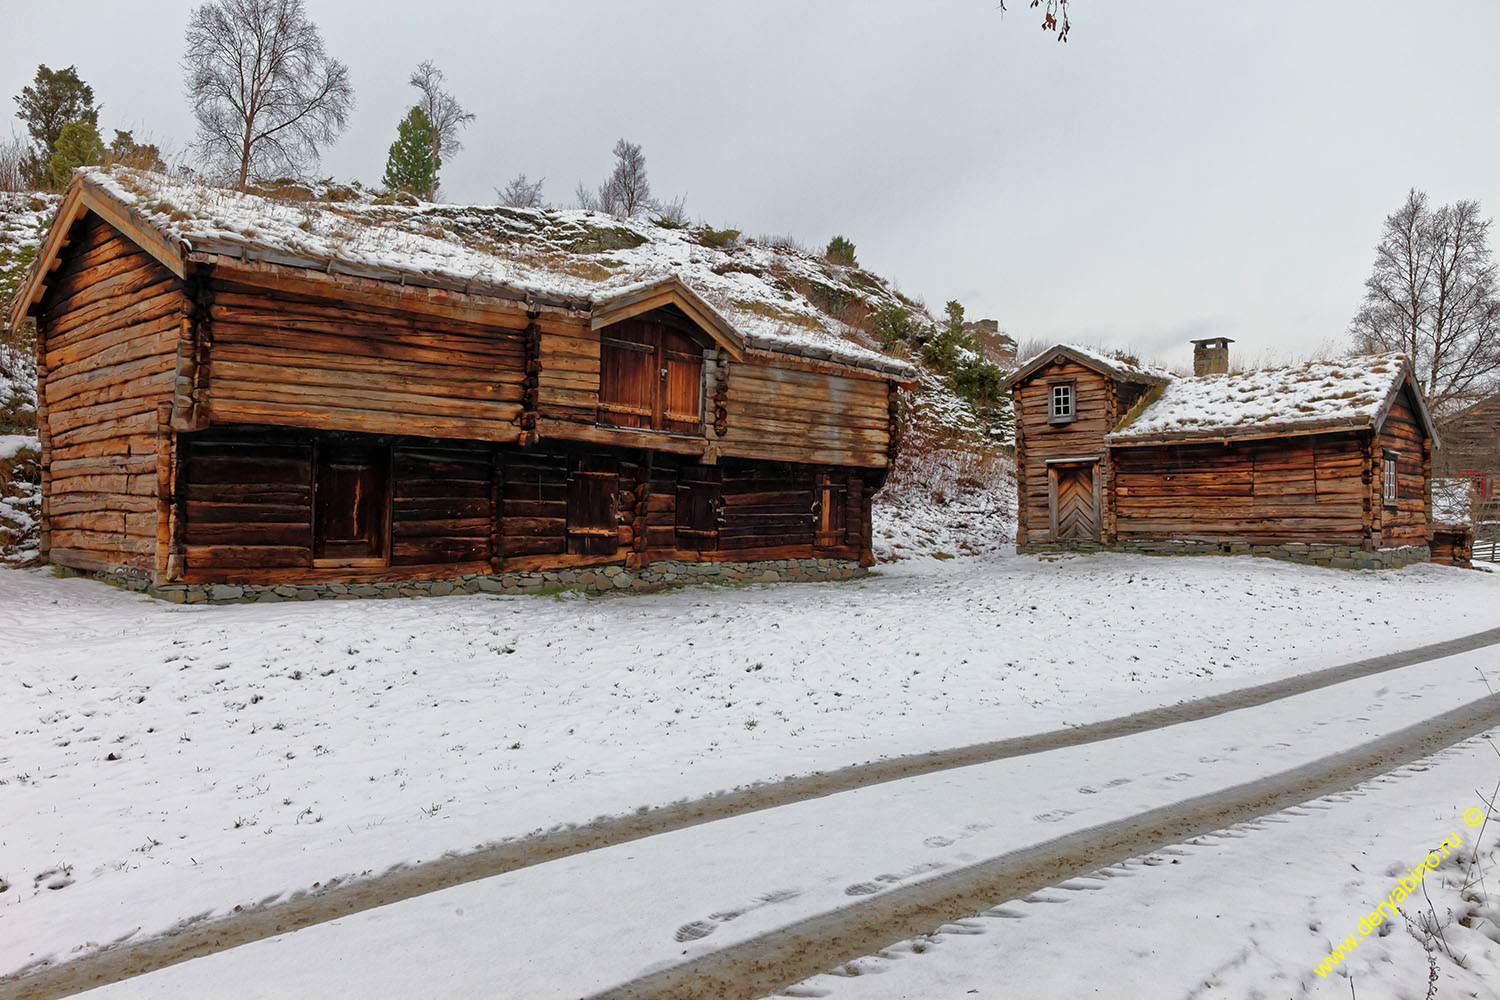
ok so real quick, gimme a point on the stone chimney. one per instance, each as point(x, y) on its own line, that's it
point(1211, 356)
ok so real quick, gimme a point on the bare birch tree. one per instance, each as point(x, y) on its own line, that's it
point(266, 94)
point(1432, 296)
point(521, 193)
point(442, 109)
point(627, 190)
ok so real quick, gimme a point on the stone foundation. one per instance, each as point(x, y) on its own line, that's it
point(614, 578)
point(1337, 556)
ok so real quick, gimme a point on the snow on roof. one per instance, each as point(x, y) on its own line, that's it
point(763, 292)
point(1452, 502)
point(1126, 365)
point(1340, 394)
point(1120, 365)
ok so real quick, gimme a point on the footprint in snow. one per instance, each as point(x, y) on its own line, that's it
point(1179, 776)
point(1086, 790)
point(1116, 782)
point(880, 882)
point(1054, 816)
point(696, 929)
point(937, 842)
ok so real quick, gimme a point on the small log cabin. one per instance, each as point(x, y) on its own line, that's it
point(221, 405)
point(1325, 462)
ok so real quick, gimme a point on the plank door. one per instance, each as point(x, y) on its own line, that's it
point(682, 383)
point(1075, 501)
point(628, 375)
point(831, 512)
point(593, 526)
point(351, 503)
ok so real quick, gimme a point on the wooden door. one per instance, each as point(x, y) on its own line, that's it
point(1075, 502)
point(830, 512)
point(351, 500)
point(682, 383)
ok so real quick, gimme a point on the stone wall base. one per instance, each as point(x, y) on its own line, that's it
point(1337, 556)
point(614, 578)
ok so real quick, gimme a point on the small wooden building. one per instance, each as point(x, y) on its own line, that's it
point(1324, 462)
point(223, 402)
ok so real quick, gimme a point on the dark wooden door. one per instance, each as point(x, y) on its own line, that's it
point(1076, 509)
point(351, 500)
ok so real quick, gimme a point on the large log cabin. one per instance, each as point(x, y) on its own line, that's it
point(237, 396)
point(1323, 462)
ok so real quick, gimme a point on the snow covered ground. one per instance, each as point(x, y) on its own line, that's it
point(159, 762)
point(588, 923)
point(1249, 912)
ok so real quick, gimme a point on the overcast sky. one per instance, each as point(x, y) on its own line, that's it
point(1178, 169)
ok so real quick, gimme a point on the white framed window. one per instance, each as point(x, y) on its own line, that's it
point(1061, 405)
point(1389, 482)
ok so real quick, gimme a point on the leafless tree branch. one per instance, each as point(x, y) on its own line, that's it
point(265, 93)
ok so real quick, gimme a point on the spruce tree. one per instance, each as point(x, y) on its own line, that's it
point(411, 166)
point(78, 145)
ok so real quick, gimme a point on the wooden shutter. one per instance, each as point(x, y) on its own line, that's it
point(700, 504)
point(650, 376)
point(682, 383)
point(592, 525)
point(351, 501)
point(831, 511)
point(628, 375)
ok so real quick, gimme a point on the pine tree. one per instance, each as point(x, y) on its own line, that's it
point(78, 145)
point(55, 98)
point(411, 166)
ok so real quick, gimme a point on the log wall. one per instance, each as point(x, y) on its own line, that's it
point(1408, 522)
point(1471, 443)
point(786, 414)
point(1308, 489)
point(299, 361)
point(471, 507)
point(107, 334)
point(1097, 406)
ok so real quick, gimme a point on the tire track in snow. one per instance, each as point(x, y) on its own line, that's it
point(197, 937)
point(781, 959)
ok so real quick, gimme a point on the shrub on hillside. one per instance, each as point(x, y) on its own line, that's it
point(840, 251)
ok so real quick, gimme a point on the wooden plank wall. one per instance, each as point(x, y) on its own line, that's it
point(1309, 489)
point(299, 361)
point(1097, 407)
point(107, 335)
point(1409, 521)
point(466, 507)
point(248, 501)
point(568, 383)
point(1471, 442)
point(442, 496)
point(784, 414)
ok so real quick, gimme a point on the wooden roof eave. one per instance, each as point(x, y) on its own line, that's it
point(1031, 367)
point(478, 305)
point(1416, 394)
point(829, 366)
point(82, 197)
point(670, 291)
point(1259, 432)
